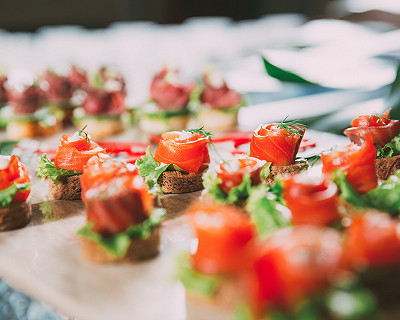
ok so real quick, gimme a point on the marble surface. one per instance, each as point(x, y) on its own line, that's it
point(44, 262)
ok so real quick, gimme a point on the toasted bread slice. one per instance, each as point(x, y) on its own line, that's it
point(157, 126)
point(385, 167)
point(291, 169)
point(16, 215)
point(18, 130)
point(101, 128)
point(69, 188)
point(180, 182)
point(139, 249)
point(216, 119)
point(220, 305)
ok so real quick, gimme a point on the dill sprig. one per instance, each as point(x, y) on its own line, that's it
point(379, 117)
point(85, 133)
point(201, 131)
point(292, 127)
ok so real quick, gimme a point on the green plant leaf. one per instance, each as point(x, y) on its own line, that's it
point(47, 169)
point(6, 147)
point(284, 75)
point(393, 99)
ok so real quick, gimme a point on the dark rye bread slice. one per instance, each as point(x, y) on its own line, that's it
point(139, 249)
point(180, 182)
point(16, 215)
point(290, 169)
point(385, 167)
point(69, 188)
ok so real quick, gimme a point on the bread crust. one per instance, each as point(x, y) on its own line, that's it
point(291, 169)
point(69, 188)
point(18, 130)
point(385, 167)
point(219, 306)
point(139, 249)
point(99, 129)
point(16, 215)
point(213, 119)
point(180, 182)
point(157, 126)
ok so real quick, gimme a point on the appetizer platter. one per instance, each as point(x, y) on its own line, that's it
point(269, 224)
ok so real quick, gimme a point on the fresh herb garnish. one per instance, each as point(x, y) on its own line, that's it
point(292, 127)
point(85, 133)
point(201, 131)
point(379, 117)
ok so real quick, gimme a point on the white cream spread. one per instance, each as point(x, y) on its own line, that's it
point(112, 85)
point(232, 166)
point(216, 80)
point(185, 135)
point(4, 162)
point(75, 137)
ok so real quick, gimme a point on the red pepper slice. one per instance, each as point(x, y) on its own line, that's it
point(311, 201)
point(15, 173)
point(131, 148)
point(357, 162)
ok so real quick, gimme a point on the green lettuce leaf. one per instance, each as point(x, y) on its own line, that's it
point(284, 75)
point(47, 169)
point(211, 182)
point(150, 169)
point(390, 149)
point(347, 192)
point(351, 303)
point(265, 210)
point(193, 281)
point(386, 197)
point(7, 195)
point(265, 171)
point(166, 114)
point(117, 245)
